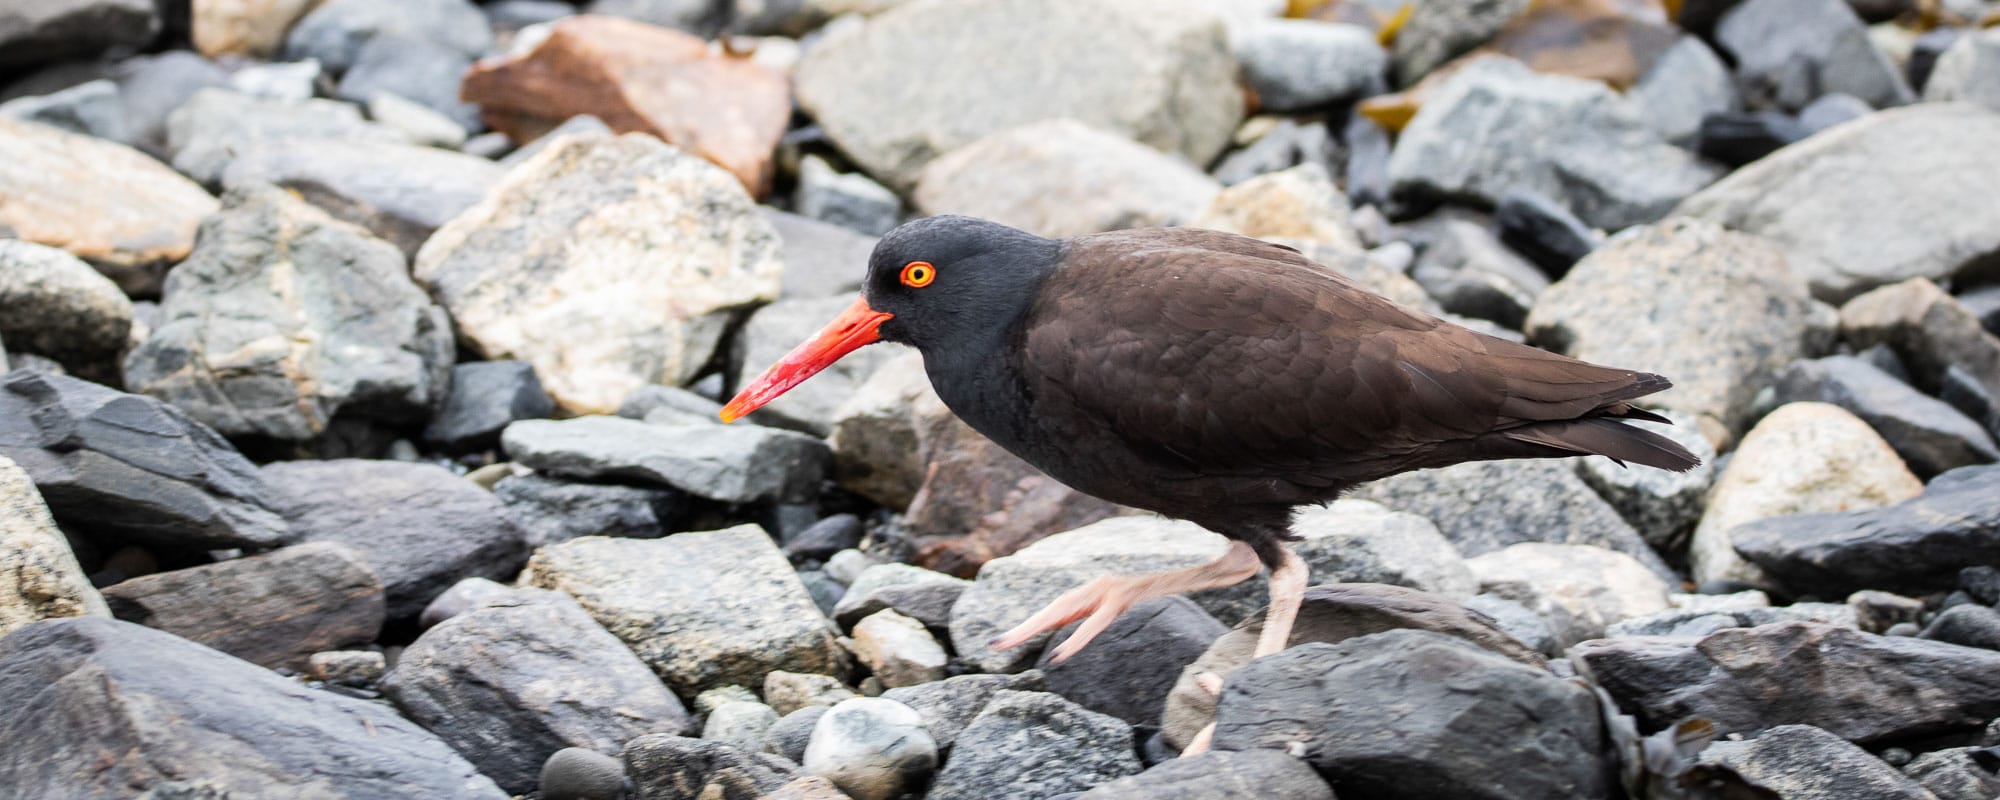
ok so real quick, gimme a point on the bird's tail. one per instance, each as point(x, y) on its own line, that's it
point(1606, 436)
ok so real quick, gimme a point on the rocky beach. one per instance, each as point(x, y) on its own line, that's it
point(361, 361)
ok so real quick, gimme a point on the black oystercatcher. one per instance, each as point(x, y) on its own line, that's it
point(1208, 377)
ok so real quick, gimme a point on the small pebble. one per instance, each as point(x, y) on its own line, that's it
point(574, 773)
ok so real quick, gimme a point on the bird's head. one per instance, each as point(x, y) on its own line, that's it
point(935, 283)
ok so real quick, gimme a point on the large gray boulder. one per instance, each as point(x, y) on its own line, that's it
point(284, 318)
point(1915, 546)
point(171, 718)
point(1161, 73)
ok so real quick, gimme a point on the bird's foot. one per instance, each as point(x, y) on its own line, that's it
point(1212, 684)
point(1098, 603)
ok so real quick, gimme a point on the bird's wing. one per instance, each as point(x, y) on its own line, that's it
point(1239, 356)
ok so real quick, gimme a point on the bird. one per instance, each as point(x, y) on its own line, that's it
point(1209, 377)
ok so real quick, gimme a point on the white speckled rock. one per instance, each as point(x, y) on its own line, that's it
point(1801, 458)
point(39, 576)
point(1579, 589)
point(899, 650)
point(873, 749)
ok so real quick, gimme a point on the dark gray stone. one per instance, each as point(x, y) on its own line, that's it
point(1220, 775)
point(161, 709)
point(1686, 83)
point(1930, 435)
point(151, 87)
point(1736, 138)
point(1858, 686)
point(1832, 109)
point(128, 466)
point(214, 126)
point(1368, 154)
point(1420, 714)
point(400, 192)
point(92, 109)
point(1982, 582)
point(947, 706)
point(733, 463)
point(1954, 774)
point(60, 307)
point(1296, 64)
point(1287, 144)
point(512, 682)
point(1030, 745)
point(851, 200)
point(1698, 621)
point(1801, 762)
point(695, 16)
point(653, 397)
point(1913, 547)
point(869, 592)
point(422, 527)
point(413, 68)
point(1969, 625)
point(335, 32)
point(484, 397)
point(790, 734)
point(43, 32)
point(275, 609)
point(1930, 330)
point(821, 259)
point(1543, 231)
point(1789, 52)
point(1517, 621)
point(1468, 271)
point(1437, 32)
point(284, 318)
point(551, 510)
point(1970, 396)
point(822, 539)
point(1128, 669)
point(576, 773)
point(667, 767)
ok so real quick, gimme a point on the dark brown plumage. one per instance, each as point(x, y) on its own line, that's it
point(1209, 377)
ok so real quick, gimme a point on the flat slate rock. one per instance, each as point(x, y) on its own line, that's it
point(551, 510)
point(1915, 546)
point(512, 682)
point(485, 396)
point(422, 527)
point(182, 720)
point(1929, 434)
point(1858, 686)
point(1801, 762)
point(127, 465)
point(730, 463)
point(275, 609)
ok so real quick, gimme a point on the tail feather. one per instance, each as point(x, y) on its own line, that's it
point(1605, 436)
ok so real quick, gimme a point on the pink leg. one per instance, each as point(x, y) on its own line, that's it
point(1103, 599)
point(1288, 589)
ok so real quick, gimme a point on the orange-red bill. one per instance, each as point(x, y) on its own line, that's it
point(854, 327)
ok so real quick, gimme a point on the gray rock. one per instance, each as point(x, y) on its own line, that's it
point(284, 82)
point(1287, 144)
point(415, 122)
point(1484, 506)
point(1128, 669)
point(1468, 271)
point(1332, 614)
point(47, 32)
point(882, 434)
point(575, 773)
point(666, 767)
point(151, 87)
point(1662, 506)
point(771, 332)
point(551, 510)
point(1086, 62)
point(1932, 437)
point(899, 650)
point(645, 400)
point(130, 466)
point(702, 609)
point(1969, 70)
point(510, 683)
point(284, 318)
point(1744, 293)
point(422, 527)
point(484, 397)
point(400, 192)
point(1518, 621)
point(1933, 333)
point(709, 700)
point(1801, 762)
point(1900, 194)
point(579, 125)
point(1914, 546)
point(1687, 83)
point(414, 68)
point(1438, 32)
point(1801, 458)
point(214, 126)
point(463, 596)
point(1220, 775)
point(735, 463)
point(821, 259)
point(611, 214)
point(1367, 726)
point(789, 736)
point(1832, 109)
point(1699, 621)
point(1543, 230)
point(872, 748)
point(949, 705)
point(1953, 774)
point(1297, 203)
point(275, 610)
point(362, 669)
point(1863, 688)
point(739, 724)
point(1063, 178)
point(694, 16)
point(790, 691)
point(1295, 65)
point(1877, 612)
point(91, 109)
point(1496, 126)
point(164, 708)
point(336, 31)
point(1969, 625)
point(1579, 589)
point(1789, 52)
point(43, 579)
point(1031, 745)
point(57, 306)
point(851, 200)
point(866, 594)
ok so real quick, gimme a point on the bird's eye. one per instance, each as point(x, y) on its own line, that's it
point(918, 274)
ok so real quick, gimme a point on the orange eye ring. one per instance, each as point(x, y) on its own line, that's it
point(919, 274)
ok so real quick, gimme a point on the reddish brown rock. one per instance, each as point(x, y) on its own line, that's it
point(644, 78)
point(979, 502)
